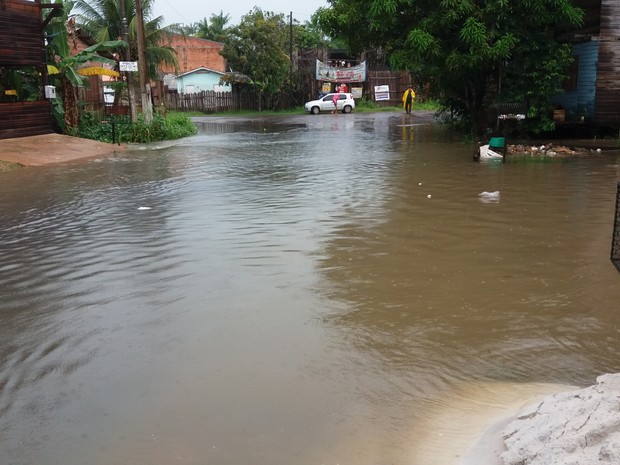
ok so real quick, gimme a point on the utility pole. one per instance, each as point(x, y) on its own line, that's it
point(290, 71)
point(125, 35)
point(143, 69)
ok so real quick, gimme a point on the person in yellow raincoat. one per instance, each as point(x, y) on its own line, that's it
point(408, 100)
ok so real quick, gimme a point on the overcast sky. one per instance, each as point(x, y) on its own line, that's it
point(192, 11)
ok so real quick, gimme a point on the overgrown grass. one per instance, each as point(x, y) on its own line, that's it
point(368, 105)
point(174, 125)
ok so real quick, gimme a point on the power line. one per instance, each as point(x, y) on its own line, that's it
point(177, 12)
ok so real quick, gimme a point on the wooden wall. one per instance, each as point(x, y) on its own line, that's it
point(21, 44)
point(581, 101)
point(21, 40)
point(608, 79)
point(20, 119)
point(615, 243)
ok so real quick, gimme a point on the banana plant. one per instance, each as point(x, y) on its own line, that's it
point(60, 34)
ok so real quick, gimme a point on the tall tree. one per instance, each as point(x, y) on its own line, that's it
point(102, 20)
point(465, 47)
point(218, 30)
point(257, 47)
point(310, 35)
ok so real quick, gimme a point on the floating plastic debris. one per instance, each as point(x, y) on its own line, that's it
point(489, 197)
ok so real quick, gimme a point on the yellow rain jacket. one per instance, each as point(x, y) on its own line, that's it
point(410, 90)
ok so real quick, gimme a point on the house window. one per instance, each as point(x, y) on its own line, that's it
point(572, 75)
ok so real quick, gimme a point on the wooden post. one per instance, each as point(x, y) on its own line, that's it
point(124, 31)
point(615, 242)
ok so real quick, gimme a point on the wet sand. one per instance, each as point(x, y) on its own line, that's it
point(47, 149)
point(466, 429)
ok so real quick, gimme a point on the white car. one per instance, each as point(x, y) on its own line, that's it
point(345, 104)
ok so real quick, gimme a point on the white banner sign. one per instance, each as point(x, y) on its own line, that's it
point(382, 93)
point(128, 65)
point(337, 74)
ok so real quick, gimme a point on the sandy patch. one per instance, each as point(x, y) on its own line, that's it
point(465, 427)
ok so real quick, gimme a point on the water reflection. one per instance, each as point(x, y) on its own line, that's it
point(292, 293)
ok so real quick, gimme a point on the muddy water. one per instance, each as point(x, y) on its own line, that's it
point(308, 290)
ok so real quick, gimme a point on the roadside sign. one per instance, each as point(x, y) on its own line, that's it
point(382, 93)
point(128, 65)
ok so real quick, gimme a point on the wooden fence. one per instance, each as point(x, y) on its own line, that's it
point(213, 102)
point(397, 82)
point(206, 101)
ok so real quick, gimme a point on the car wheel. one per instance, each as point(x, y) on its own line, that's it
point(347, 109)
point(315, 110)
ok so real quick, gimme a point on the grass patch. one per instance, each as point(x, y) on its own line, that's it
point(367, 105)
point(6, 166)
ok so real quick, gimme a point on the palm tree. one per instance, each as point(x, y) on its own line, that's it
point(102, 20)
point(218, 30)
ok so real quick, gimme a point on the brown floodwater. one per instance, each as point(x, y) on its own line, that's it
point(300, 290)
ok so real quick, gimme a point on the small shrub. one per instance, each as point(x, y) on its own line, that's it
point(172, 126)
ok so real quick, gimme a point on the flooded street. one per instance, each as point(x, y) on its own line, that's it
point(309, 290)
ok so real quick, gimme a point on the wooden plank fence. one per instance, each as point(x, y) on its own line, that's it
point(212, 102)
point(398, 82)
point(206, 102)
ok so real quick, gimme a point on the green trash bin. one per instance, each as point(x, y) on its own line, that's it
point(497, 142)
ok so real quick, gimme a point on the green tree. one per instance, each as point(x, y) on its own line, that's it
point(189, 29)
point(258, 47)
point(102, 20)
point(465, 47)
point(67, 64)
point(310, 35)
point(218, 30)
